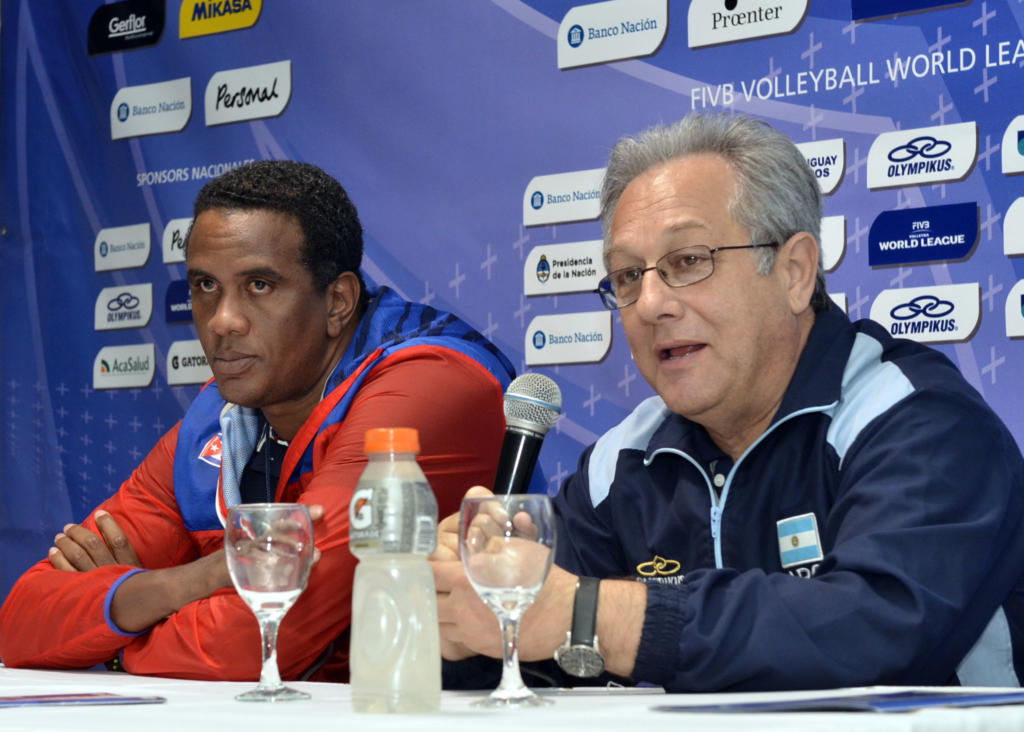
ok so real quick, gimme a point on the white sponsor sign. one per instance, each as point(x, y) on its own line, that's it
point(1013, 146)
point(554, 199)
point(1015, 311)
point(610, 31)
point(833, 241)
point(839, 298)
point(149, 109)
point(937, 314)
point(253, 92)
point(569, 338)
point(923, 155)
point(121, 247)
point(713, 21)
point(123, 367)
point(552, 269)
point(126, 306)
point(187, 364)
point(827, 159)
point(1013, 229)
point(174, 240)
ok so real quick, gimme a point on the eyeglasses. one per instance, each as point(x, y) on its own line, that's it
point(678, 268)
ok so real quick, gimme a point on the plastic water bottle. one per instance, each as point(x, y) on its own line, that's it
point(395, 651)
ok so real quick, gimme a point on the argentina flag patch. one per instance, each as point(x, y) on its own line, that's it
point(799, 542)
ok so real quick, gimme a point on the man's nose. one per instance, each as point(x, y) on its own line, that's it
point(656, 298)
point(229, 316)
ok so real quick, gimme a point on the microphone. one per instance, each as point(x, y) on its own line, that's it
point(533, 404)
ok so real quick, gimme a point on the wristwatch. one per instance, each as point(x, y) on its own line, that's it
point(579, 655)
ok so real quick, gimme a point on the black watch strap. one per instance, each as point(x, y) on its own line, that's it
point(584, 612)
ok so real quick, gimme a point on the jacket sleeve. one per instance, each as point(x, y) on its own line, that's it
point(58, 619)
point(456, 406)
point(923, 543)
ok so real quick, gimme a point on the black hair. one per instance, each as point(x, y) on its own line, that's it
point(333, 235)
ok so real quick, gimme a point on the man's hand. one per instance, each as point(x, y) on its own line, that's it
point(469, 627)
point(77, 549)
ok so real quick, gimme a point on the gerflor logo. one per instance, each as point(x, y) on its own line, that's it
point(122, 26)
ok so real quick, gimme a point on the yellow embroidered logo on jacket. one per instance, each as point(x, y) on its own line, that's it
point(659, 566)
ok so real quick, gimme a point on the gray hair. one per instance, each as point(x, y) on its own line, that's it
point(777, 194)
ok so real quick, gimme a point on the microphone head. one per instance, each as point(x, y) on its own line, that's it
point(533, 403)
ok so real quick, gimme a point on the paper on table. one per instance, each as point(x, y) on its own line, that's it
point(896, 701)
point(31, 700)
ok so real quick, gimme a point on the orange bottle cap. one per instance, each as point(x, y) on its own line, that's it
point(393, 439)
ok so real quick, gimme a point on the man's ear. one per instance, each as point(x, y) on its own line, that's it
point(342, 303)
point(799, 259)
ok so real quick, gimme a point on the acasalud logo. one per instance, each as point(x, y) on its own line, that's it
point(611, 31)
point(123, 367)
point(149, 109)
point(711, 22)
point(252, 92)
point(938, 314)
point(125, 25)
point(205, 17)
point(937, 154)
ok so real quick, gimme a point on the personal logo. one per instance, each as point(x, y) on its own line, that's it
point(537, 200)
point(658, 567)
point(927, 234)
point(613, 30)
point(543, 269)
point(251, 92)
point(206, 17)
point(126, 25)
point(799, 541)
point(174, 240)
point(710, 22)
point(941, 313)
point(937, 154)
point(151, 109)
point(211, 452)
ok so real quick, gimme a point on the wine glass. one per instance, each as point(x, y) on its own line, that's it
point(506, 544)
point(269, 549)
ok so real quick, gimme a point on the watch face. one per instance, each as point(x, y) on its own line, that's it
point(582, 661)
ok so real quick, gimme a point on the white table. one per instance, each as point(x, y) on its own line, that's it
point(196, 706)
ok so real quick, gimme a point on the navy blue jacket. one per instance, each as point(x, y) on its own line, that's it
point(871, 535)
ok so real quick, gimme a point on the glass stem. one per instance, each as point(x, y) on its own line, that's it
point(511, 679)
point(270, 678)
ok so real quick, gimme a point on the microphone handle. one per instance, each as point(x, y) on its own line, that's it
point(519, 453)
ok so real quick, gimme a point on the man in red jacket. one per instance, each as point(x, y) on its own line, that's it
point(305, 360)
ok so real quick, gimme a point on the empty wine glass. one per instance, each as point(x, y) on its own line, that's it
point(506, 544)
point(269, 549)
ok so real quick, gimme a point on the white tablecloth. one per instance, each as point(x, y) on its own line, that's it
point(196, 706)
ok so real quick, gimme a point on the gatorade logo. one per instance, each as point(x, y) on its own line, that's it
point(361, 509)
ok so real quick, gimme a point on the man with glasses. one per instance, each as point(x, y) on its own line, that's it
point(807, 502)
